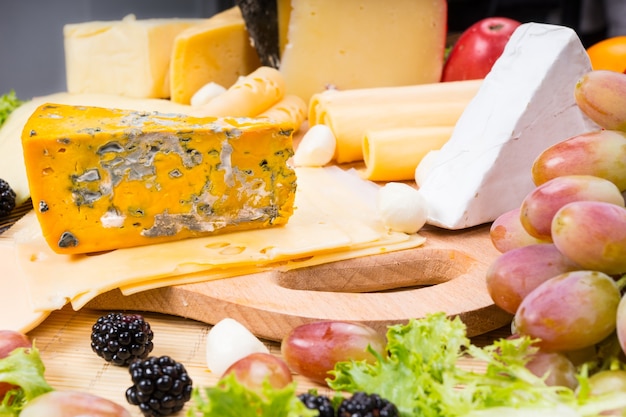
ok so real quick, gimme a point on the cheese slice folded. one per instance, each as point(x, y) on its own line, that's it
point(103, 179)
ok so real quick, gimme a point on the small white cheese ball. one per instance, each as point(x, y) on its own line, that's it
point(206, 93)
point(227, 342)
point(402, 207)
point(316, 148)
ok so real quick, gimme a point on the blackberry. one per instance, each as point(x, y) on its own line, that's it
point(120, 338)
point(321, 403)
point(361, 404)
point(7, 198)
point(161, 386)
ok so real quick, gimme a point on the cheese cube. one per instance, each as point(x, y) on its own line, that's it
point(129, 57)
point(103, 179)
point(217, 51)
point(524, 105)
point(355, 44)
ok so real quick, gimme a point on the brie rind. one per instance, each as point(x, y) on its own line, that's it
point(525, 104)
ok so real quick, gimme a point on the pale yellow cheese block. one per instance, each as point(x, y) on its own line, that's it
point(129, 57)
point(332, 220)
point(12, 168)
point(216, 51)
point(354, 43)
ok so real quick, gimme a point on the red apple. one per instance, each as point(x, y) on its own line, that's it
point(478, 47)
point(9, 341)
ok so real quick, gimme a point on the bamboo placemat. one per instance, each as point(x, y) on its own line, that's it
point(64, 342)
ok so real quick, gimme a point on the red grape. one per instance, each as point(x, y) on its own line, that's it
point(313, 349)
point(252, 370)
point(514, 274)
point(570, 311)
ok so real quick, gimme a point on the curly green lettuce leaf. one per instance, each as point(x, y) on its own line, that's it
point(422, 376)
point(230, 398)
point(8, 103)
point(24, 369)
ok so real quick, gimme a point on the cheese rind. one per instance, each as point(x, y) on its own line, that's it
point(215, 51)
point(525, 104)
point(354, 44)
point(129, 57)
point(104, 179)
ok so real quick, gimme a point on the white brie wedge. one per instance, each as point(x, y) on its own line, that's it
point(525, 104)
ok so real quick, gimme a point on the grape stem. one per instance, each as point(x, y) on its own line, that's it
point(621, 283)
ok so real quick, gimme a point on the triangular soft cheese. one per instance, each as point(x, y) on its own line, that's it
point(525, 104)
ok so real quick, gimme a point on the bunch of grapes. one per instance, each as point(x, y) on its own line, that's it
point(563, 264)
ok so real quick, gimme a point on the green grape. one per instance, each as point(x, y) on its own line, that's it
point(506, 232)
point(514, 274)
point(571, 311)
point(606, 382)
point(542, 203)
point(592, 234)
point(600, 153)
point(621, 324)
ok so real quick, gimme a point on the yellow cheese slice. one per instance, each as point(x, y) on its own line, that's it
point(18, 313)
point(330, 218)
point(129, 57)
point(216, 51)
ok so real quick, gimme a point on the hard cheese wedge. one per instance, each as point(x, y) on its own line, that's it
point(525, 104)
point(216, 51)
point(335, 218)
point(354, 43)
point(104, 179)
point(129, 57)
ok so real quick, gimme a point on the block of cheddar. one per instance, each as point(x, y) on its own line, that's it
point(128, 57)
point(103, 179)
point(216, 51)
point(354, 43)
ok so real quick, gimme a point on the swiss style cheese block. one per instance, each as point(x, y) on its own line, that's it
point(524, 105)
point(104, 179)
point(355, 43)
point(129, 57)
point(216, 51)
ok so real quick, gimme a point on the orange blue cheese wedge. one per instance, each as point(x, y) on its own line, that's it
point(103, 179)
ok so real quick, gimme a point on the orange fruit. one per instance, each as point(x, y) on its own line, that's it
point(609, 54)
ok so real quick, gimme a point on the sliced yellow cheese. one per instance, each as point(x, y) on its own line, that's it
point(103, 179)
point(354, 43)
point(394, 154)
point(12, 168)
point(18, 312)
point(248, 97)
point(216, 51)
point(334, 219)
point(129, 57)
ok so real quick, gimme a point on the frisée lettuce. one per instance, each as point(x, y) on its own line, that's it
point(421, 375)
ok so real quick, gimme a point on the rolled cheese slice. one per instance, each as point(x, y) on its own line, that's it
point(427, 93)
point(350, 125)
point(248, 97)
point(291, 109)
point(394, 154)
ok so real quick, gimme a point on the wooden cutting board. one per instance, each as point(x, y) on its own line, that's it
point(446, 274)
